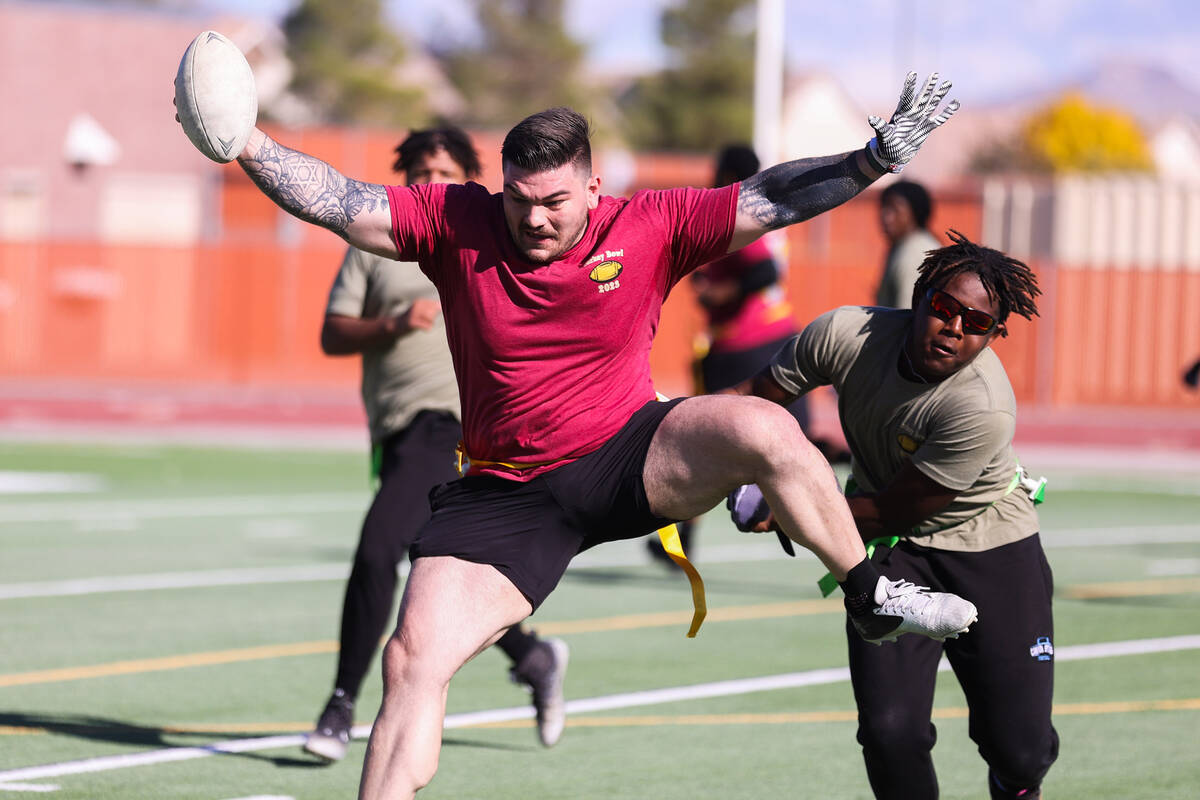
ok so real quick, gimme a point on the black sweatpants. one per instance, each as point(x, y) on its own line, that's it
point(1004, 664)
point(415, 460)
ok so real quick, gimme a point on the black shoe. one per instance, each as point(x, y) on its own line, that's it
point(999, 791)
point(1192, 376)
point(657, 553)
point(542, 670)
point(328, 742)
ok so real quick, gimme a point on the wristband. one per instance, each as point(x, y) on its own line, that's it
point(876, 159)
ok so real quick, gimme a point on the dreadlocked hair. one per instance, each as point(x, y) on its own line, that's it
point(1008, 282)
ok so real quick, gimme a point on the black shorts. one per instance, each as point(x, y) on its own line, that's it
point(530, 531)
point(724, 369)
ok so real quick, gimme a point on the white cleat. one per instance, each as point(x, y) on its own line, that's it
point(903, 607)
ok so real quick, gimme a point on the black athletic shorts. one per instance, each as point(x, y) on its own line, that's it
point(530, 531)
point(724, 369)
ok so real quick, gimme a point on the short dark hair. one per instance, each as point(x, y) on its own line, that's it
point(547, 140)
point(915, 195)
point(1008, 282)
point(738, 161)
point(449, 138)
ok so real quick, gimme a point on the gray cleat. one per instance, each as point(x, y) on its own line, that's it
point(328, 742)
point(542, 670)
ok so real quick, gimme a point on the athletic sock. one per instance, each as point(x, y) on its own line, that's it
point(859, 588)
point(516, 643)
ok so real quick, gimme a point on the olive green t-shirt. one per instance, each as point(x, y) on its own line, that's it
point(415, 372)
point(958, 431)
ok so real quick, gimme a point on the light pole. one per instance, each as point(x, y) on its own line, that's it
point(768, 80)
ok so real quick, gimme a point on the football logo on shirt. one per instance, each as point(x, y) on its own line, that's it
point(605, 273)
point(907, 443)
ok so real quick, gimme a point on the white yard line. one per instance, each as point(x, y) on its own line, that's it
point(753, 550)
point(1121, 536)
point(177, 580)
point(606, 703)
point(17, 482)
point(182, 507)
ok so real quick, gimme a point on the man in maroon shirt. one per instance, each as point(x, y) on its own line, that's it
point(551, 294)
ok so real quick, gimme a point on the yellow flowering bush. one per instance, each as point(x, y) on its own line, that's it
point(1072, 135)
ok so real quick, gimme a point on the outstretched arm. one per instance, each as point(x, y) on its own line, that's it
point(798, 190)
point(311, 190)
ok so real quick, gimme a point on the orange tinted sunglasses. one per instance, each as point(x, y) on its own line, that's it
point(945, 306)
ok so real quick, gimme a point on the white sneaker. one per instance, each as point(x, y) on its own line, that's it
point(903, 607)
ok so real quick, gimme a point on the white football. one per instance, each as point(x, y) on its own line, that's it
point(215, 97)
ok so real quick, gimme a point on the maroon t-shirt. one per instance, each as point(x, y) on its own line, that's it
point(553, 359)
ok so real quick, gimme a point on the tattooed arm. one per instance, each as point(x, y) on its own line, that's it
point(311, 190)
point(799, 190)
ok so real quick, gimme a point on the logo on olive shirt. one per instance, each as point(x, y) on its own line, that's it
point(907, 443)
point(605, 273)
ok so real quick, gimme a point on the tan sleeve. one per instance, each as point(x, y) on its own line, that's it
point(808, 359)
point(962, 445)
point(905, 272)
point(348, 294)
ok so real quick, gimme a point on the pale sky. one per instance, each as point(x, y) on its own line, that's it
point(990, 50)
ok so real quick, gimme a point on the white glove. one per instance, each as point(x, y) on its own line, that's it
point(897, 140)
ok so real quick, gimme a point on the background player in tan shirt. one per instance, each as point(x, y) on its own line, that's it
point(904, 211)
point(929, 416)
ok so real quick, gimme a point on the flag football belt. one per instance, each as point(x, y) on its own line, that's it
point(668, 536)
point(1035, 488)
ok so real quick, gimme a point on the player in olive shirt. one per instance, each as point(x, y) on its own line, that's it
point(389, 313)
point(929, 416)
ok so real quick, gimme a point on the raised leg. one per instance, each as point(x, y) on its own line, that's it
point(709, 445)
